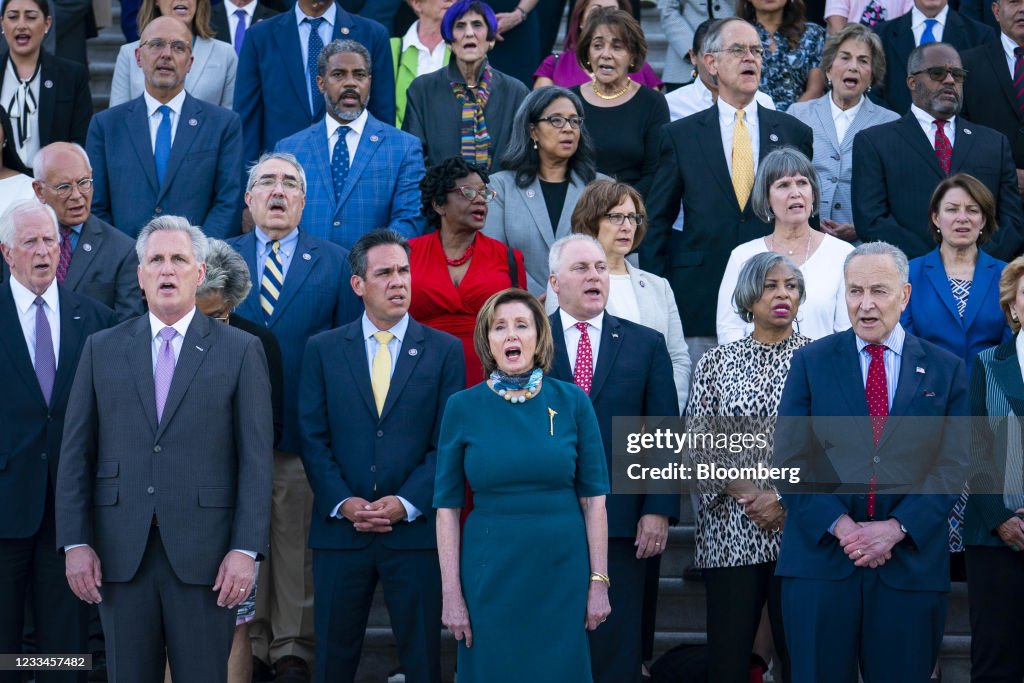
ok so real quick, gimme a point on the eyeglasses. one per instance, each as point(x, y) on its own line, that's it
point(158, 45)
point(226, 317)
point(559, 121)
point(939, 73)
point(471, 193)
point(740, 51)
point(269, 182)
point(620, 218)
point(64, 190)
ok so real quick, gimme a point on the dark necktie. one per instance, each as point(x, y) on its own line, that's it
point(340, 162)
point(877, 391)
point(1018, 77)
point(162, 149)
point(928, 36)
point(583, 374)
point(943, 150)
point(65, 254)
point(316, 44)
point(240, 30)
point(46, 363)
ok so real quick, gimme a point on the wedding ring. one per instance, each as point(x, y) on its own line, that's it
point(241, 590)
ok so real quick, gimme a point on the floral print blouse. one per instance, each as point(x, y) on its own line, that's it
point(784, 71)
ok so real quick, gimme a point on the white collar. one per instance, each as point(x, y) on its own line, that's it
point(926, 119)
point(357, 125)
point(181, 327)
point(727, 112)
point(568, 322)
point(330, 16)
point(412, 38)
point(850, 113)
point(398, 329)
point(24, 299)
point(917, 17)
point(175, 105)
point(1008, 45)
point(249, 8)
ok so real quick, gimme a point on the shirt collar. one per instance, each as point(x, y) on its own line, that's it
point(412, 38)
point(926, 119)
point(917, 17)
point(894, 342)
point(1008, 46)
point(356, 125)
point(850, 113)
point(1019, 344)
point(727, 112)
point(286, 242)
point(398, 329)
point(568, 322)
point(24, 298)
point(249, 7)
point(77, 229)
point(329, 16)
point(152, 104)
point(181, 327)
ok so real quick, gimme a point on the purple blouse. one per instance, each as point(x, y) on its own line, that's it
point(565, 71)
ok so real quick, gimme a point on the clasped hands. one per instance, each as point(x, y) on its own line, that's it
point(377, 517)
point(761, 507)
point(1011, 532)
point(868, 544)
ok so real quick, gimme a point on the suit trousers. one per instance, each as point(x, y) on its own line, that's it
point(60, 618)
point(284, 600)
point(155, 616)
point(995, 595)
point(899, 632)
point(345, 584)
point(735, 598)
point(616, 651)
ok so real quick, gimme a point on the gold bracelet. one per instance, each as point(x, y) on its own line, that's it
point(603, 578)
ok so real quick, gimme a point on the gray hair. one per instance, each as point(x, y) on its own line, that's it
point(8, 222)
point(750, 283)
point(39, 160)
point(226, 272)
point(862, 34)
point(281, 156)
point(336, 47)
point(780, 163)
point(171, 224)
point(713, 37)
point(555, 255)
point(882, 249)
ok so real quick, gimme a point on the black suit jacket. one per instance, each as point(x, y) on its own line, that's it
point(275, 367)
point(989, 98)
point(633, 377)
point(898, 40)
point(219, 19)
point(32, 431)
point(693, 170)
point(895, 172)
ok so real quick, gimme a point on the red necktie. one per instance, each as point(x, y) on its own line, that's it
point(583, 374)
point(1018, 76)
point(877, 390)
point(943, 150)
point(65, 254)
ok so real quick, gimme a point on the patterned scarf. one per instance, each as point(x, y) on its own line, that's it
point(475, 144)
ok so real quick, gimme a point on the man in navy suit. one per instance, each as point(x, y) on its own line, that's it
point(42, 329)
point(363, 174)
point(626, 370)
point(300, 288)
point(275, 89)
point(865, 415)
point(167, 152)
point(232, 19)
point(372, 397)
point(897, 165)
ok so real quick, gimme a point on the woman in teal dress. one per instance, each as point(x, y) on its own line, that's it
point(531, 575)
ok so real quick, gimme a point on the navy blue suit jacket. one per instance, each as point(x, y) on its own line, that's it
point(932, 313)
point(349, 450)
point(316, 296)
point(633, 377)
point(270, 85)
point(32, 432)
point(920, 464)
point(382, 188)
point(202, 181)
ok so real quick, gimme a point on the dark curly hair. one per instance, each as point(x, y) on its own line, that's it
point(439, 180)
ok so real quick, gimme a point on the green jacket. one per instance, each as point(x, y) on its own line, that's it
point(406, 64)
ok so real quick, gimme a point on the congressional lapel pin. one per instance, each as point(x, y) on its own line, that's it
point(551, 421)
point(86, 247)
point(47, 83)
point(306, 256)
point(344, 30)
point(374, 138)
point(643, 283)
point(615, 335)
point(530, 193)
point(193, 122)
point(928, 394)
point(199, 348)
point(77, 317)
point(919, 370)
point(773, 137)
point(413, 352)
point(967, 131)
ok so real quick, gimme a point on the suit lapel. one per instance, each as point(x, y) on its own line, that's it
point(913, 366)
point(314, 140)
point(864, 118)
point(823, 110)
point(303, 261)
point(408, 357)
point(712, 150)
point(572, 197)
point(138, 132)
point(90, 241)
point(189, 123)
point(920, 143)
point(70, 343)
point(140, 360)
point(202, 49)
point(250, 308)
point(560, 366)
point(47, 97)
point(903, 43)
point(997, 63)
point(936, 274)
point(14, 341)
point(986, 279)
point(851, 382)
point(607, 353)
point(533, 197)
point(220, 24)
point(639, 282)
point(370, 141)
point(289, 51)
point(355, 354)
point(194, 348)
point(1006, 372)
point(963, 145)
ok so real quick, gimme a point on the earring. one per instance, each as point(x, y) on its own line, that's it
point(693, 74)
point(869, 89)
point(1013, 314)
point(535, 144)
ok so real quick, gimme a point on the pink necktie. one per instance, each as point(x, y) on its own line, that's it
point(583, 374)
point(164, 372)
point(877, 390)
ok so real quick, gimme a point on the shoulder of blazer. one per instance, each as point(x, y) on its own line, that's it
point(59, 69)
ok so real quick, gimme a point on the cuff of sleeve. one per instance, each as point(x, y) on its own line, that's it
point(248, 553)
point(336, 512)
point(75, 545)
point(411, 511)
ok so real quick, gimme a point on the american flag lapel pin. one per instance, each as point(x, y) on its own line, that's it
point(919, 370)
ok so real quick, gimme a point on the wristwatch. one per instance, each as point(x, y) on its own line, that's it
point(523, 12)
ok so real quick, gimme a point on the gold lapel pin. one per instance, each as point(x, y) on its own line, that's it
point(551, 420)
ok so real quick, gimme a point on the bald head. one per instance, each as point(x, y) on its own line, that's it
point(64, 181)
point(165, 56)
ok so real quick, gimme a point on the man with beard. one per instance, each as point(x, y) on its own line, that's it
point(364, 174)
point(896, 166)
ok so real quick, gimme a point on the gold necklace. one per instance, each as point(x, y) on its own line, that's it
point(610, 97)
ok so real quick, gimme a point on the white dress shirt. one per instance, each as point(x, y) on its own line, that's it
point(352, 138)
point(844, 118)
point(573, 334)
point(427, 61)
point(695, 97)
point(727, 122)
point(24, 302)
point(181, 327)
point(249, 8)
point(1008, 47)
point(917, 19)
point(155, 117)
point(11, 102)
point(927, 123)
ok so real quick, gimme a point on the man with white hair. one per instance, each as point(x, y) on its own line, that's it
point(43, 327)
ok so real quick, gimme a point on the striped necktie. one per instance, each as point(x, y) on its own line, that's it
point(1018, 77)
point(273, 280)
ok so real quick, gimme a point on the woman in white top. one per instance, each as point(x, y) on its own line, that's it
point(15, 177)
point(614, 213)
point(786, 192)
point(212, 75)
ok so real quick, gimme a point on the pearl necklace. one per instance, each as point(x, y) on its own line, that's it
point(515, 399)
point(614, 96)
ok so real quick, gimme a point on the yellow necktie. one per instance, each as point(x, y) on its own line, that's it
point(380, 371)
point(742, 161)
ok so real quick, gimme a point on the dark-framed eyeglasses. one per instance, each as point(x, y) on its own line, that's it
point(939, 73)
point(471, 193)
point(620, 218)
point(559, 121)
point(740, 51)
point(64, 190)
point(158, 45)
point(224, 318)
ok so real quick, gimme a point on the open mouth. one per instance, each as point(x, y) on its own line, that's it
point(168, 287)
point(593, 292)
point(397, 299)
point(479, 215)
point(796, 206)
point(22, 39)
point(851, 83)
point(181, 9)
point(513, 353)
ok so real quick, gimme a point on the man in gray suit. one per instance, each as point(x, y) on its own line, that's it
point(164, 483)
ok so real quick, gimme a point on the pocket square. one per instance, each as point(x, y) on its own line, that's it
point(928, 394)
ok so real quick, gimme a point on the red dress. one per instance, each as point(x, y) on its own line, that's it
point(438, 303)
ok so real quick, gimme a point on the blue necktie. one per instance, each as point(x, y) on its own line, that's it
point(162, 150)
point(340, 162)
point(928, 36)
point(240, 30)
point(315, 45)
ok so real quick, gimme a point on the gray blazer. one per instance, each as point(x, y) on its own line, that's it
point(519, 218)
point(659, 312)
point(834, 161)
point(206, 470)
point(679, 19)
point(211, 78)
